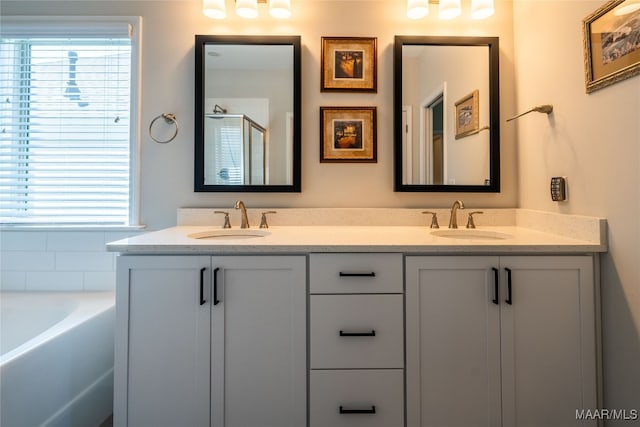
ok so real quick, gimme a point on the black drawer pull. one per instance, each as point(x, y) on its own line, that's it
point(216, 301)
point(358, 411)
point(509, 299)
point(496, 287)
point(202, 300)
point(358, 334)
point(343, 274)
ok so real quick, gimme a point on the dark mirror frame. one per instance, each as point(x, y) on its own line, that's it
point(200, 43)
point(494, 111)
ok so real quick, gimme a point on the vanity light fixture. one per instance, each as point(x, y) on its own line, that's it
point(449, 9)
point(481, 9)
point(247, 8)
point(417, 9)
point(214, 9)
point(280, 9)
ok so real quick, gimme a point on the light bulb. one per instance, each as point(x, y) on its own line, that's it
point(280, 9)
point(247, 8)
point(449, 9)
point(481, 9)
point(417, 9)
point(214, 9)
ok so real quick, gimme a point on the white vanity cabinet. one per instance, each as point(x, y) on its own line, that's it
point(356, 340)
point(500, 340)
point(211, 341)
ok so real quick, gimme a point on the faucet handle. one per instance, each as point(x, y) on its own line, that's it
point(470, 223)
point(263, 220)
point(227, 224)
point(434, 219)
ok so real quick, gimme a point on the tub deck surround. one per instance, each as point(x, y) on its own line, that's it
point(375, 230)
point(57, 366)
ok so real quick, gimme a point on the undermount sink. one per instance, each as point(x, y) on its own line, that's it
point(229, 234)
point(471, 233)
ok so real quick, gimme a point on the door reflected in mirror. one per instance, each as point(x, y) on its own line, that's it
point(446, 107)
point(247, 113)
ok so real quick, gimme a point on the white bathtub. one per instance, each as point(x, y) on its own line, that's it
point(56, 358)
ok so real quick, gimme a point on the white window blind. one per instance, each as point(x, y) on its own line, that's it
point(65, 123)
point(226, 155)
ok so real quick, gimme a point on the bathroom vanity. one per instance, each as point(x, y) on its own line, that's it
point(344, 325)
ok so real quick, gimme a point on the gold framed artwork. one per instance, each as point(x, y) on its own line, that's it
point(467, 115)
point(348, 135)
point(349, 64)
point(611, 37)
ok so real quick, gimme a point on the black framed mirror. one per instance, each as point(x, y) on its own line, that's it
point(446, 114)
point(247, 113)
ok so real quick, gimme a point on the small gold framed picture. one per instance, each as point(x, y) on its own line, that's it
point(349, 64)
point(467, 115)
point(611, 38)
point(348, 135)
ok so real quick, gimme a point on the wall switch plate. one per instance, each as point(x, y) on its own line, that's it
point(558, 188)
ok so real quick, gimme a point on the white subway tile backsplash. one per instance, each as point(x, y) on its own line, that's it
point(55, 260)
point(12, 280)
point(54, 281)
point(84, 261)
point(23, 240)
point(27, 261)
point(100, 281)
point(75, 241)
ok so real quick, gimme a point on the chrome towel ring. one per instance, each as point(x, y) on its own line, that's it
point(170, 118)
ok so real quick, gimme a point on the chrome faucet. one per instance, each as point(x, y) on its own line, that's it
point(243, 212)
point(453, 221)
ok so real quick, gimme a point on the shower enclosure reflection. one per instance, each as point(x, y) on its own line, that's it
point(247, 124)
point(235, 147)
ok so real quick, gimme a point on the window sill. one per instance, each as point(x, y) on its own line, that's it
point(74, 227)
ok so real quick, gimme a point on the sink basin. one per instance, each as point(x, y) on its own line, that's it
point(229, 234)
point(471, 233)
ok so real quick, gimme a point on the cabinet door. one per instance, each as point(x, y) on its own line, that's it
point(258, 341)
point(453, 342)
point(548, 340)
point(162, 341)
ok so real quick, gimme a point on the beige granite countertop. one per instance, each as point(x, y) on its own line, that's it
point(543, 233)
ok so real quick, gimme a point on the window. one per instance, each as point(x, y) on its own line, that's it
point(67, 121)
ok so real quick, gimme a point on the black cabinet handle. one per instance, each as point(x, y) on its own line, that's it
point(202, 300)
point(509, 299)
point(372, 274)
point(215, 286)
point(496, 287)
point(358, 334)
point(343, 410)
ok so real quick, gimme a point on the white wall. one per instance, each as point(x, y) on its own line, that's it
point(168, 84)
point(594, 140)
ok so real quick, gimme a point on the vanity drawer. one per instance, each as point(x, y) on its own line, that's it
point(351, 398)
point(356, 331)
point(350, 273)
